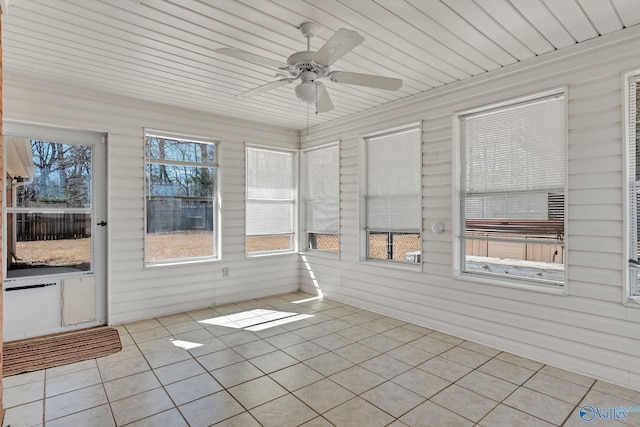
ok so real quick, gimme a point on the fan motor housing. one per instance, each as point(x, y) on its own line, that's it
point(300, 62)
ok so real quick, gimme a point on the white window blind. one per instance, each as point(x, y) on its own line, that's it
point(270, 192)
point(633, 182)
point(394, 181)
point(513, 158)
point(322, 192)
point(512, 184)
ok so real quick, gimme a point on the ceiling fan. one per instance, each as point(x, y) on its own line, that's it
point(309, 67)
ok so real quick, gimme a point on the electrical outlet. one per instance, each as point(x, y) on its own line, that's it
point(225, 271)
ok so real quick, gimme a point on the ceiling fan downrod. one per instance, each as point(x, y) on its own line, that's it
point(308, 29)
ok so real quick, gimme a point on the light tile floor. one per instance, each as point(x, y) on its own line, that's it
point(281, 362)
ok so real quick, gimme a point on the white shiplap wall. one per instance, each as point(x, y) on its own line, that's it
point(589, 330)
point(136, 292)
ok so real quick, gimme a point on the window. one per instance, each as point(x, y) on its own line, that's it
point(633, 179)
point(270, 200)
point(322, 198)
point(180, 190)
point(512, 183)
point(394, 196)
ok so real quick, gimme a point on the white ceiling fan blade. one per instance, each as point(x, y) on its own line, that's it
point(256, 59)
point(369, 80)
point(323, 104)
point(263, 88)
point(342, 42)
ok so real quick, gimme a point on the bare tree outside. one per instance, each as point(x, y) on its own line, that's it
point(62, 176)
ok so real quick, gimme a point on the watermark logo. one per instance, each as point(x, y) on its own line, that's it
point(588, 413)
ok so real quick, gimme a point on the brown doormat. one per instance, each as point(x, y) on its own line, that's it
point(41, 353)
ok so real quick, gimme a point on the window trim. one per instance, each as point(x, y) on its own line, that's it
point(216, 196)
point(363, 192)
point(303, 185)
point(295, 155)
point(513, 282)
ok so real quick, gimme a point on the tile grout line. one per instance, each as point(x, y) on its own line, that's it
point(577, 405)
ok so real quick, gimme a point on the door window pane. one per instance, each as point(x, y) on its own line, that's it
point(66, 249)
point(57, 175)
point(49, 207)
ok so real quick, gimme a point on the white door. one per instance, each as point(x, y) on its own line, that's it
point(54, 230)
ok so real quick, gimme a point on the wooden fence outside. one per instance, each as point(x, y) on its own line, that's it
point(52, 226)
point(546, 237)
point(164, 216)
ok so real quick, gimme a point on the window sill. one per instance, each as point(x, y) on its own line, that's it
point(633, 301)
point(179, 262)
point(525, 285)
point(416, 268)
point(268, 254)
point(321, 254)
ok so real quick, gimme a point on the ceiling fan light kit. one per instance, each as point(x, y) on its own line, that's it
point(309, 67)
point(307, 92)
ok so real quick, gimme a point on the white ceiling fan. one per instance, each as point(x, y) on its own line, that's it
point(309, 67)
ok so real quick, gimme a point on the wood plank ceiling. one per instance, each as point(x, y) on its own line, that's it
point(164, 50)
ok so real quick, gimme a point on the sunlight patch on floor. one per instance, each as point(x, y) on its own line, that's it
point(186, 345)
point(256, 320)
